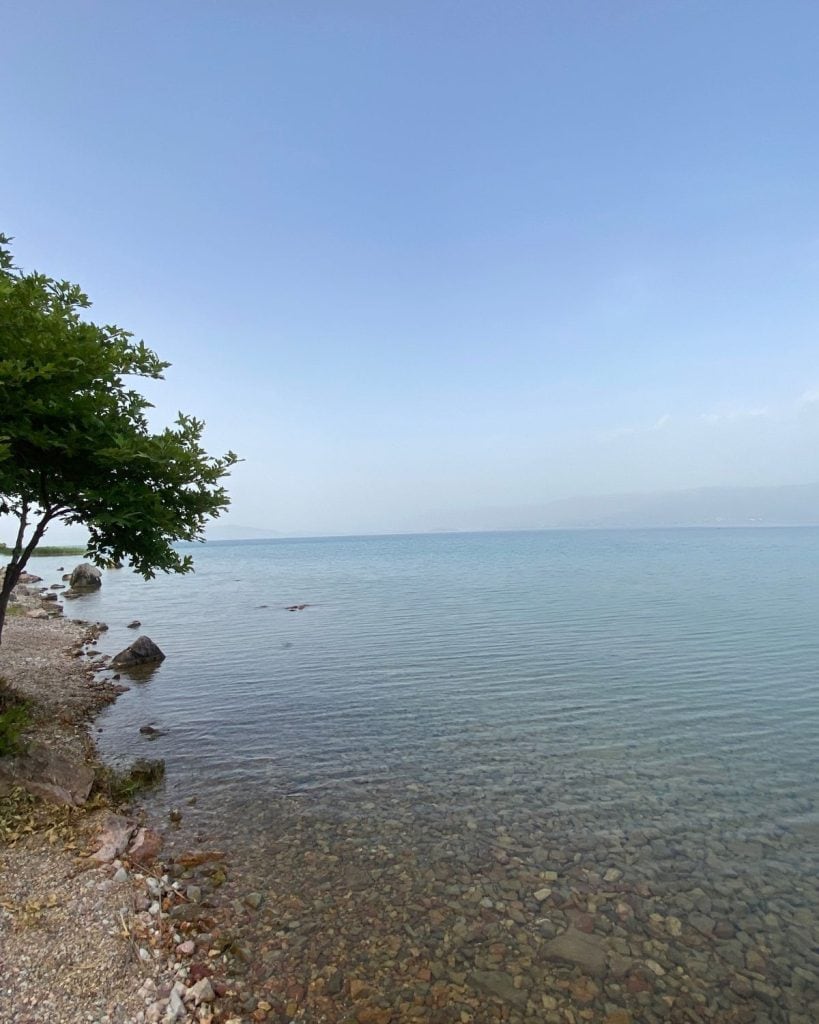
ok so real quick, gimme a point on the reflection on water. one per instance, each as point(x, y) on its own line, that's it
point(554, 776)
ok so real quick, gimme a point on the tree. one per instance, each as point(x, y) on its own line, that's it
point(75, 444)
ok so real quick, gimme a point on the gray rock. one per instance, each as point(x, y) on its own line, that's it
point(114, 839)
point(151, 731)
point(86, 576)
point(49, 775)
point(186, 912)
point(500, 985)
point(143, 651)
point(576, 947)
point(175, 1008)
point(202, 992)
point(703, 924)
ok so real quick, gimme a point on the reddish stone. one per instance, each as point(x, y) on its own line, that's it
point(198, 971)
point(296, 993)
point(583, 922)
point(145, 847)
point(358, 988)
point(618, 1017)
point(194, 859)
point(584, 991)
point(636, 983)
point(373, 1015)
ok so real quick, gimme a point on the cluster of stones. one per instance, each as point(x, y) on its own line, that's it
point(35, 601)
point(480, 923)
point(185, 931)
point(40, 603)
point(179, 928)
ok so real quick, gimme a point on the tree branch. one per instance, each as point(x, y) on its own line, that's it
point(36, 537)
point(18, 544)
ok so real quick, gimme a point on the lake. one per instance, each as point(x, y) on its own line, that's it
point(518, 776)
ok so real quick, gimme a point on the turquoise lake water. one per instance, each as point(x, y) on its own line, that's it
point(419, 657)
point(644, 700)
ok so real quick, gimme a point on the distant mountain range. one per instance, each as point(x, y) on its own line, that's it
point(224, 531)
point(796, 505)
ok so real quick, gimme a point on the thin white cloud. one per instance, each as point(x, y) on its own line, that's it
point(730, 415)
point(777, 413)
point(658, 424)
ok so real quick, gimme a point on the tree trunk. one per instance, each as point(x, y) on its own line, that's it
point(9, 582)
point(19, 558)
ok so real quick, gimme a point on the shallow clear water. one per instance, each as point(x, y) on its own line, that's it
point(636, 701)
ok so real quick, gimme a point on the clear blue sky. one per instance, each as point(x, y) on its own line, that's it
point(414, 258)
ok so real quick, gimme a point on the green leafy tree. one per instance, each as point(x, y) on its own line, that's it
point(75, 444)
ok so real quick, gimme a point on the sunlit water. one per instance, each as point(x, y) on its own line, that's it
point(638, 700)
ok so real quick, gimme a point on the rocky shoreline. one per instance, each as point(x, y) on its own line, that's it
point(94, 926)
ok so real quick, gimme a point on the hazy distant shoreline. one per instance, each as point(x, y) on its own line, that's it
point(538, 529)
point(795, 505)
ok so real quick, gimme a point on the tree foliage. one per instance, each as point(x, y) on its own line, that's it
point(75, 442)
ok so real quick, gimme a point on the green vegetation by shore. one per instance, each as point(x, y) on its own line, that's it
point(54, 550)
point(14, 718)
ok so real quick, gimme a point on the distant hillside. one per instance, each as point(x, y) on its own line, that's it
point(796, 505)
point(223, 531)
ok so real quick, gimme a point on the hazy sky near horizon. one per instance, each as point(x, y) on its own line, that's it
point(408, 259)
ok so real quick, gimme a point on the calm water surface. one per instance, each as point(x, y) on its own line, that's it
point(637, 702)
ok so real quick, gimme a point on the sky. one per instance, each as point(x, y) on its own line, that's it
point(414, 259)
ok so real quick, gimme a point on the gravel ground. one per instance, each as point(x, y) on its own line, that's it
point(63, 954)
point(83, 942)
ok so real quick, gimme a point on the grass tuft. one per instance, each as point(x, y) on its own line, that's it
point(121, 786)
point(14, 719)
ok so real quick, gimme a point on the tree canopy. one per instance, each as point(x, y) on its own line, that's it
point(75, 442)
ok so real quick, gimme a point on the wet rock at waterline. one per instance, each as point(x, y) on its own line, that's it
point(29, 577)
point(86, 577)
point(146, 846)
point(143, 651)
point(152, 732)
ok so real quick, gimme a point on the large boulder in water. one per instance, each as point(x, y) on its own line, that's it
point(86, 576)
point(143, 651)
